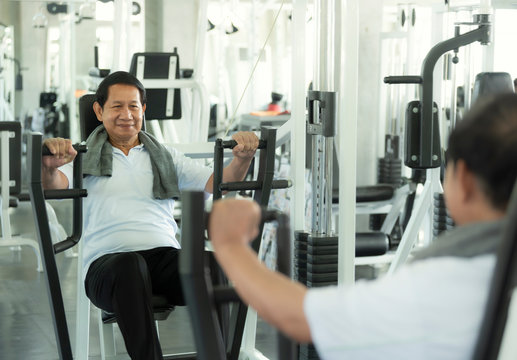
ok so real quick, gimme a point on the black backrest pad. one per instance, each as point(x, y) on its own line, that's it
point(161, 103)
point(491, 83)
point(87, 117)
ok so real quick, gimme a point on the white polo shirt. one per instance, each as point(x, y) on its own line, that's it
point(120, 213)
point(431, 309)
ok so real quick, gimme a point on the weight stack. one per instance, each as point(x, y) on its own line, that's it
point(441, 218)
point(389, 171)
point(300, 257)
point(315, 263)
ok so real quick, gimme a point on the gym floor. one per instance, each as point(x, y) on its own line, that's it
point(26, 328)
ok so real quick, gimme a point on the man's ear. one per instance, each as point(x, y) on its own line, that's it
point(143, 107)
point(97, 108)
point(467, 181)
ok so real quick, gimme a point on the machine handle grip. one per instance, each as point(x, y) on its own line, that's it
point(230, 144)
point(403, 79)
point(80, 148)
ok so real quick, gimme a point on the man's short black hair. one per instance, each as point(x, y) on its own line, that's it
point(486, 139)
point(118, 77)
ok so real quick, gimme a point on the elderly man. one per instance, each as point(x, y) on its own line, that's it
point(129, 246)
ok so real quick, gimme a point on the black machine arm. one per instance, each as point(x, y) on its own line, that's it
point(200, 294)
point(503, 285)
point(48, 250)
point(233, 323)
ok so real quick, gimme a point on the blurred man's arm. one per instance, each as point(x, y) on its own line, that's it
point(277, 299)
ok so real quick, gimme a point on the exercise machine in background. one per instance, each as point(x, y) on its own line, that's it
point(11, 173)
point(423, 150)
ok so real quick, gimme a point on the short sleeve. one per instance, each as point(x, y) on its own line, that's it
point(68, 170)
point(192, 175)
point(429, 310)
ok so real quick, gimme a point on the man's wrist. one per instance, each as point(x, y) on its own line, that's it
point(48, 171)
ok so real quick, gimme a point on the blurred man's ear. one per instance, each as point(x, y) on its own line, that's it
point(467, 180)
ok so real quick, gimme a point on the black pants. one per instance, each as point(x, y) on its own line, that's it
point(123, 283)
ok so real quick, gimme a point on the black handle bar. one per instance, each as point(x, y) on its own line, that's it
point(230, 144)
point(80, 148)
point(403, 79)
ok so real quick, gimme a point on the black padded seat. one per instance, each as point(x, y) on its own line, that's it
point(373, 243)
point(161, 310)
point(491, 83)
point(379, 192)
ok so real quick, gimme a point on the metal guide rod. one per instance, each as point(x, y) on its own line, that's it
point(321, 123)
point(318, 178)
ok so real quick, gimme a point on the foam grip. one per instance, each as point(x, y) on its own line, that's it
point(371, 243)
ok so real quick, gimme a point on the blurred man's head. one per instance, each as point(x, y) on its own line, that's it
point(482, 160)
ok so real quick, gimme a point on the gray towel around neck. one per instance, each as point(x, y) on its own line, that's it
point(98, 161)
point(465, 241)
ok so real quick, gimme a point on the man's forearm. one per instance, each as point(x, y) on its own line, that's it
point(276, 298)
point(52, 178)
point(236, 170)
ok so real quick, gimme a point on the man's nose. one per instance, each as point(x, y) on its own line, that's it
point(126, 113)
